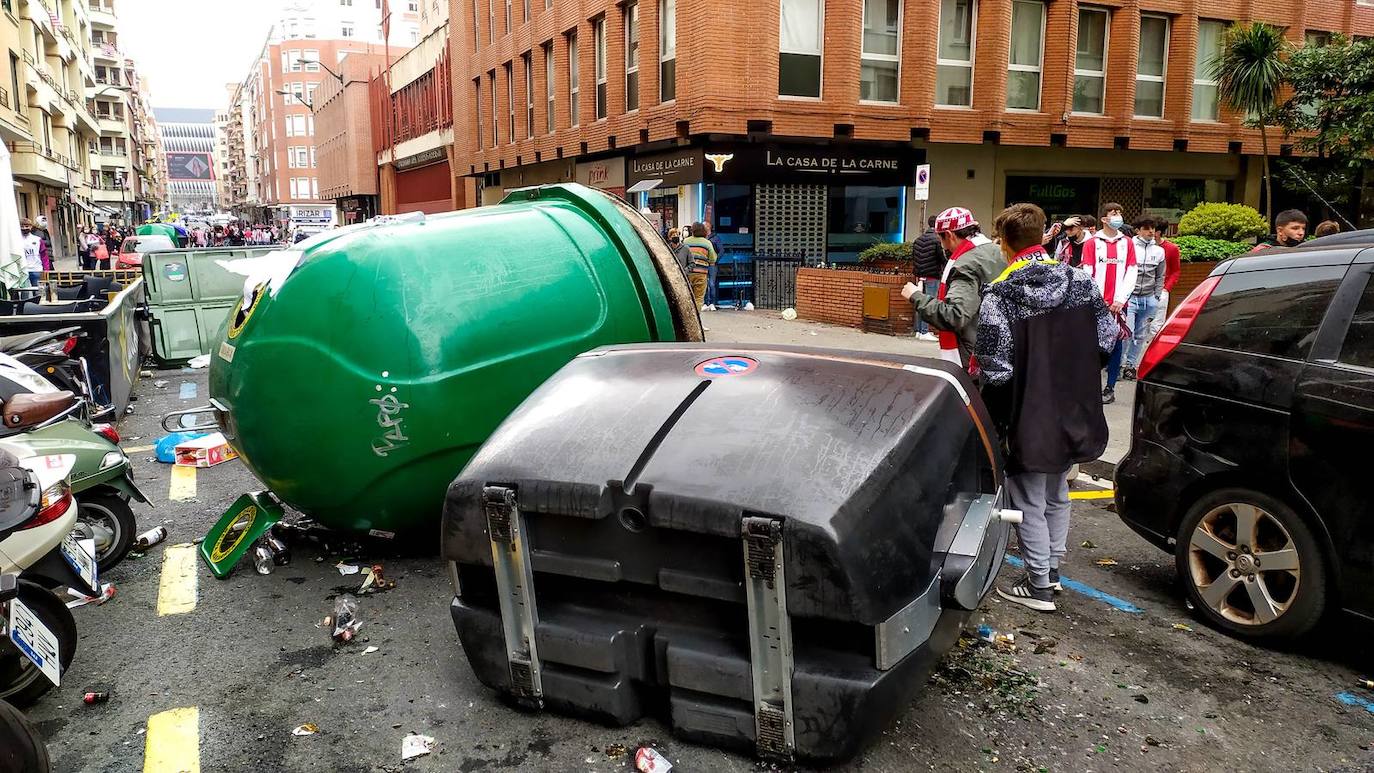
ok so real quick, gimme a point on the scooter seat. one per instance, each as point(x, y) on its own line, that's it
point(28, 409)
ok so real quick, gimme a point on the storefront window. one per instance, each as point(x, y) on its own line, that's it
point(1169, 198)
point(730, 210)
point(859, 216)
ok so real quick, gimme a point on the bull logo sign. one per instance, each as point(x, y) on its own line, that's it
point(719, 159)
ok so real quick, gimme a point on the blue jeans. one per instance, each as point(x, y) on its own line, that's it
point(1114, 364)
point(35, 278)
point(711, 285)
point(929, 287)
point(1139, 311)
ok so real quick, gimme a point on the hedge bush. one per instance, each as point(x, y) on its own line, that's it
point(1229, 222)
point(1192, 249)
point(886, 251)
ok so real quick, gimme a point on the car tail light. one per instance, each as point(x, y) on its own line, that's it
point(107, 431)
point(1177, 327)
point(56, 501)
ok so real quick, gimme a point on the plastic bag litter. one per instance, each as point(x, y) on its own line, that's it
point(647, 760)
point(309, 728)
point(345, 619)
point(165, 447)
point(199, 362)
point(749, 306)
point(789, 314)
point(416, 745)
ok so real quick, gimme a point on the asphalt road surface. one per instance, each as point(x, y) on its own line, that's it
point(1121, 678)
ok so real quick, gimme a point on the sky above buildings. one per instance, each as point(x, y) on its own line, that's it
point(190, 48)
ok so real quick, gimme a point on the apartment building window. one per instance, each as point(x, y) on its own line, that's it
point(954, 53)
point(527, 10)
point(1151, 66)
point(667, 50)
point(1316, 38)
point(1027, 54)
point(314, 187)
point(574, 87)
point(495, 112)
point(296, 157)
point(293, 61)
point(599, 53)
point(298, 92)
point(294, 189)
point(413, 6)
point(476, 25)
point(510, 100)
point(507, 17)
point(312, 156)
point(528, 61)
point(801, 24)
point(1205, 102)
point(491, 21)
point(312, 60)
point(346, 31)
point(631, 57)
point(14, 84)
point(477, 107)
point(1090, 63)
point(880, 61)
point(348, 3)
point(548, 87)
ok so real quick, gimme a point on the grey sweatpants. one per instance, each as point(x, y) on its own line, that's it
point(1043, 499)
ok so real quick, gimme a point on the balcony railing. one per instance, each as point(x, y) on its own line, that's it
point(5, 98)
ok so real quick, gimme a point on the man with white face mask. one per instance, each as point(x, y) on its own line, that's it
point(1110, 259)
point(1149, 287)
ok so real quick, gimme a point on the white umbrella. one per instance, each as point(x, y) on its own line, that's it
point(12, 273)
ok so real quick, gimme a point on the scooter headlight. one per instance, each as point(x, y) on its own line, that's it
point(113, 459)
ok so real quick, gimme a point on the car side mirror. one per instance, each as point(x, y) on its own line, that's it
point(26, 409)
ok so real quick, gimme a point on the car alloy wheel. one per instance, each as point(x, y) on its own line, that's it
point(1244, 564)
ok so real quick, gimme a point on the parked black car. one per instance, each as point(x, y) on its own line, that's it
point(1253, 432)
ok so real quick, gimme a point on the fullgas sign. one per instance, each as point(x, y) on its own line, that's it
point(829, 165)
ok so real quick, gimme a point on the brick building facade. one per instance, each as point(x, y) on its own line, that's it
point(347, 166)
point(1065, 103)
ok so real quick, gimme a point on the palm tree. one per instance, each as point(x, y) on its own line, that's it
point(1250, 69)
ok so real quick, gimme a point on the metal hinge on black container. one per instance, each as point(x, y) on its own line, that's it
point(770, 636)
point(510, 558)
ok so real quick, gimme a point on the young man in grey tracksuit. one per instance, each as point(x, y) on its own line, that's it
point(1149, 286)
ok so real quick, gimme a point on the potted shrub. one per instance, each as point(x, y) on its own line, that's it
point(1227, 222)
point(888, 257)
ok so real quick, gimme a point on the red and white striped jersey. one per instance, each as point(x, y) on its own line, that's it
point(1112, 265)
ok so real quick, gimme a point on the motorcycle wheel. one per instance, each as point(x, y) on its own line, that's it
point(108, 519)
point(21, 683)
point(21, 747)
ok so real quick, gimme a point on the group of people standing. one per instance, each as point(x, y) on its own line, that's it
point(698, 250)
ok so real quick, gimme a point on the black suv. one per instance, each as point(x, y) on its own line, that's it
point(1253, 432)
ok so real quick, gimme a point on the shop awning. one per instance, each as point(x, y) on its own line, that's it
point(643, 185)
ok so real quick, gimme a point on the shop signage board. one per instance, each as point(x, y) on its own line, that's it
point(424, 158)
point(678, 167)
point(608, 174)
point(819, 164)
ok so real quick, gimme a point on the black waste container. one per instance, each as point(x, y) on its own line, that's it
point(766, 546)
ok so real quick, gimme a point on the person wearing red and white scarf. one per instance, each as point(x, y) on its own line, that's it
point(1110, 259)
point(974, 261)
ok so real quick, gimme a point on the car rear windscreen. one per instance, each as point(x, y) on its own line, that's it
point(1275, 312)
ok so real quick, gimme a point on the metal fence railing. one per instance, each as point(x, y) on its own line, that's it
point(775, 283)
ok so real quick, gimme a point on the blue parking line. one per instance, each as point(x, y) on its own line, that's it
point(1351, 699)
point(188, 390)
point(1086, 590)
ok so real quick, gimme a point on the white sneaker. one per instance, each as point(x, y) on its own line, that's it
point(711, 307)
point(705, 307)
point(928, 337)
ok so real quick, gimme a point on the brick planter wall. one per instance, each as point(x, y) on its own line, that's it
point(1190, 275)
point(837, 297)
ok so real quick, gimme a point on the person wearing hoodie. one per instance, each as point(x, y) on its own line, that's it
point(1043, 331)
point(953, 311)
point(1149, 286)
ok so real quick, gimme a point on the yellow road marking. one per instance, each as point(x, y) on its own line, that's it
point(183, 484)
point(137, 449)
point(1104, 494)
point(176, 593)
point(173, 744)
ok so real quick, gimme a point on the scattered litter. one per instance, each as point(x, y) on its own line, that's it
point(346, 622)
point(789, 314)
point(92, 698)
point(150, 538)
point(145, 374)
point(371, 649)
point(1141, 698)
point(1182, 627)
point(346, 569)
point(199, 362)
point(281, 554)
point(616, 750)
point(416, 745)
point(1368, 684)
point(309, 728)
point(262, 558)
point(1151, 740)
point(1087, 543)
point(159, 383)
point(647, 760)
point(165, 447)
point(812, 332)
point(1045, 645)
point(986, 633)
point(206, 451)
point(375, 582)
point(1105, 562)
point(107, 592)
point(749, 306)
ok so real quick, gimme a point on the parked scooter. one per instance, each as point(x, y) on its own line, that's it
point(37, 529)
point(102, 477)
point(49, 354)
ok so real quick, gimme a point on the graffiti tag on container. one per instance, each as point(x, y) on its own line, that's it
point(389, 418)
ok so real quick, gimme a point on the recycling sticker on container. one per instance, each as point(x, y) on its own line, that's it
point(731, 365)
point(175, 272)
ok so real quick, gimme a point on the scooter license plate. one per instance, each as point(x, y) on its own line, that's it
point(80, 556)
point(34, 639)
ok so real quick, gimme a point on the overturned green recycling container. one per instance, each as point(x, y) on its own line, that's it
point(364, 366)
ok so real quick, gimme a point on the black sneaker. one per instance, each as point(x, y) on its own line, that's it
point(1029, 596)
point(1055, 584)
point(1128, 374)
point(1108, 396)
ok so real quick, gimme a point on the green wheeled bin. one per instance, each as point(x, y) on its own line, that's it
point(365, 366)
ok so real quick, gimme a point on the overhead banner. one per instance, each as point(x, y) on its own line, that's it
point(190, 166)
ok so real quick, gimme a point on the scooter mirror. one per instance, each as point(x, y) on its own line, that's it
point(29, 410)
